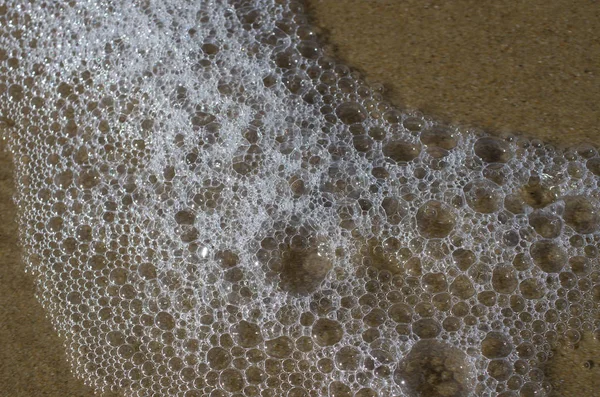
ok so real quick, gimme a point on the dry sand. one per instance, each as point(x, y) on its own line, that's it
point(516, 66)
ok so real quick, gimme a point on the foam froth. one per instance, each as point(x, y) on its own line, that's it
point(213, 207)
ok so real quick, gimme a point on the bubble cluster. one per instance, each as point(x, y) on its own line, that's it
point(214, 207)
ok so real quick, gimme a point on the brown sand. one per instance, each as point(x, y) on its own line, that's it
point(32, 359)
point(514, 66)
point(506, 65)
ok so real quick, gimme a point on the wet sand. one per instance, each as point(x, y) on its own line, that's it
point(529, 67)
point(32, 359)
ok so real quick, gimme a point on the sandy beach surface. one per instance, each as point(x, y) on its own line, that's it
point(505, 66)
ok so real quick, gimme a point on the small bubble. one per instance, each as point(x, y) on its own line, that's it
point(232, 380)
point(380, 256)
point(185, 217)
point(255, 375)
point(55, 224)
point(303, 269)
point(297, 392)
point(546, 225)
point(532, 288)
point(15, 91)
point(304, 344)
point(463, 259)
point(375, 318)
point(451, 324)
point(536, 195)
point(400, 313)
point(339, 389)
point(366, 392)
point(147, 271)
point(88, 179)
point(434, 282)
point(594, 165)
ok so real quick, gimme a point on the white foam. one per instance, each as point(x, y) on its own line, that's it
point(161, 137)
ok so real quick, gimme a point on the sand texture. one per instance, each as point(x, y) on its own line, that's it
point(528, 67)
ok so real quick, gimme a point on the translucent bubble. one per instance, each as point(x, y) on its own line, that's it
point(401, 151)
point(218, 358)
point(348, 358)
point(462, 287)
point(435, 369)
point(381, 256)
point(493, 150)
point(548, 256)
point(496, 345)
point(400, 313)
point(351, 113)
point(594, 165)
point(487, 298)
point(297, 392)
point(546, 225)
point(247, 334)
point(426, 328)
point(304, 269)
point(375, 318)
point(339, 389)
point(504, 279)
point(451, 324)
point(434, 282)
point(463, 258)
point(366, 392)
point(536, 195)
point(500, 370)
point(327, 332)
point(435, 219)
point(232, 380)
point(185, 217)
point(482, 196)
point(439, 136)
point(281, 347)
point(532, 288)
point(165, 321)
point(581, 214)
point(255, 375)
